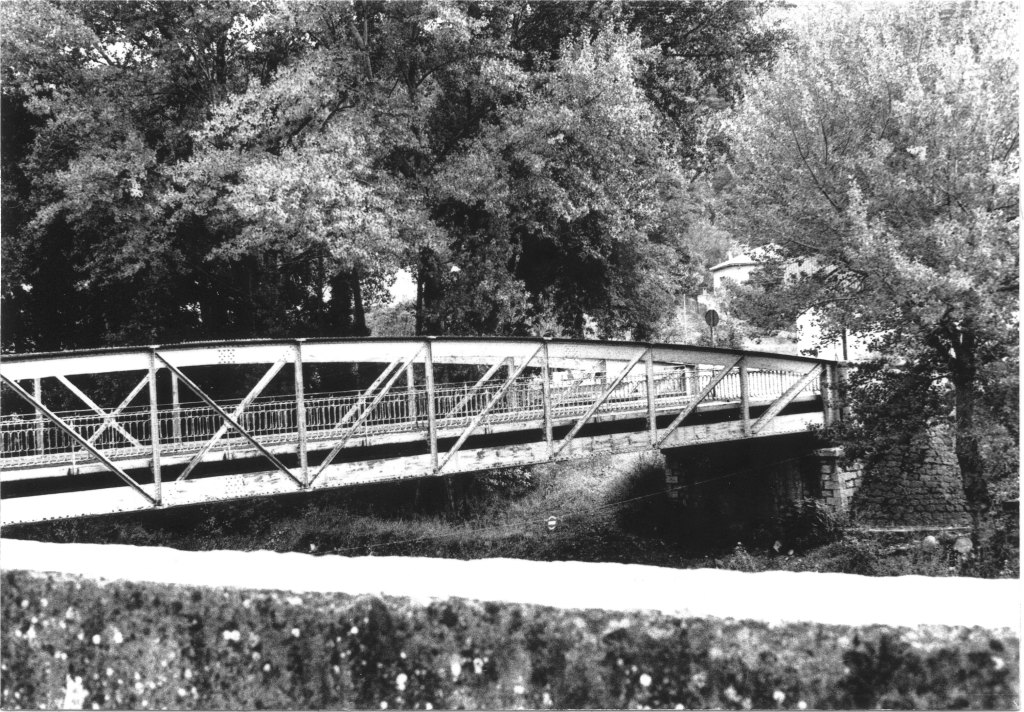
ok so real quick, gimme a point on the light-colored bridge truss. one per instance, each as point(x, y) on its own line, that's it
point(539, 386)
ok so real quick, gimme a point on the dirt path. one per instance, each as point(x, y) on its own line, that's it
point(774, 597)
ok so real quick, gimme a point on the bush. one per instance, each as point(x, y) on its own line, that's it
point(805, 524)
point(509, 482)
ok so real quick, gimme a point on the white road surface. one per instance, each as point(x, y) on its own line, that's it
point(772, 597)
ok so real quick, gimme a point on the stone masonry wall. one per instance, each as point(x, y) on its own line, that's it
point(917, 485)
point(840, 478)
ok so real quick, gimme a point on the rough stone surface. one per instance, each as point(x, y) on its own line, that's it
point(840, 478)
point(917, 485)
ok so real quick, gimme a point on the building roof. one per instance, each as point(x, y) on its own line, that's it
point(737, 261)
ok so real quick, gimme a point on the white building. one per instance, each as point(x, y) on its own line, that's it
point(738, 268)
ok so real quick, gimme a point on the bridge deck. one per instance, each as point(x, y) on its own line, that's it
point(531, 391)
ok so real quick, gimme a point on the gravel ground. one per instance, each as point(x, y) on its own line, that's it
point(771, 597)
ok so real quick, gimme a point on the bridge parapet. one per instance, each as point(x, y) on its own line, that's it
point(526, 401)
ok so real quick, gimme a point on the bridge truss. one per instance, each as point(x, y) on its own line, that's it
point(435, 406)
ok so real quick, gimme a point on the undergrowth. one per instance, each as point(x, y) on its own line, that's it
point(602, 509)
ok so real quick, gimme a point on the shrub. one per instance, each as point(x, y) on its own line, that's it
point(509, 482)
point(805, 524)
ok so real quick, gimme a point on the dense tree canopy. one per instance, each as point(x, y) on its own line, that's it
point(882, 154)
point(181, 170)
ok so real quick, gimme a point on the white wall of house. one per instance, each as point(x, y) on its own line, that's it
point(738, 269)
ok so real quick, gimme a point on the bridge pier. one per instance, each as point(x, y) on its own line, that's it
point(729, 489)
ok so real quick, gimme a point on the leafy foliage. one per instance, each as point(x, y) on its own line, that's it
point(194, 169)
point(879, 158)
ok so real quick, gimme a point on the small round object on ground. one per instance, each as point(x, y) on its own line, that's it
point(963, 545)
point(930, 542)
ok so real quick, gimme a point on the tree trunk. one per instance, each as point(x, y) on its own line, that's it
point(419, 300)
point(341, 306)
point(968, 454)
point(358, 312)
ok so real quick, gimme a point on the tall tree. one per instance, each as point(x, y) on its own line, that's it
point(102, 97)
point(180, 170)
point(553, 204)
point(882, 153)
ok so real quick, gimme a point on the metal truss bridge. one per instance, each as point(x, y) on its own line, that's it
point(425, 407)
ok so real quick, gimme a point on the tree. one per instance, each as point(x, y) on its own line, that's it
point(200, 169)
point(572, 204)
point(882, 154)
point(101, 97)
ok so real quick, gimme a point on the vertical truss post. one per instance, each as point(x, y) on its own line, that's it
point(826, 395)
point(652, 416)
point(37, 391)
point(300, 414)
point(842, 378)
point(428, 366)
point(513, 401)
point(546, 375)
point(410, 390)
point(745, 397)
point(827, 398)
point(154, 428)
point(175, 410)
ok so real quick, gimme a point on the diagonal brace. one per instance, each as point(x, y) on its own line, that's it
point(487, 408)
point(363, 398)
point(598, 403)
point(472, 391)
point(75, 435)
point(570, 390)
point(239, 409)
point(692, 405)
point(99, 411)
point(112, 416)
point(365, 414)
point(785, 399)
point(223, 414)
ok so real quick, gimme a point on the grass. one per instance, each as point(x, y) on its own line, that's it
point(146, 646)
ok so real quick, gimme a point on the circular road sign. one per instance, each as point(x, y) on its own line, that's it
point(712, 318)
